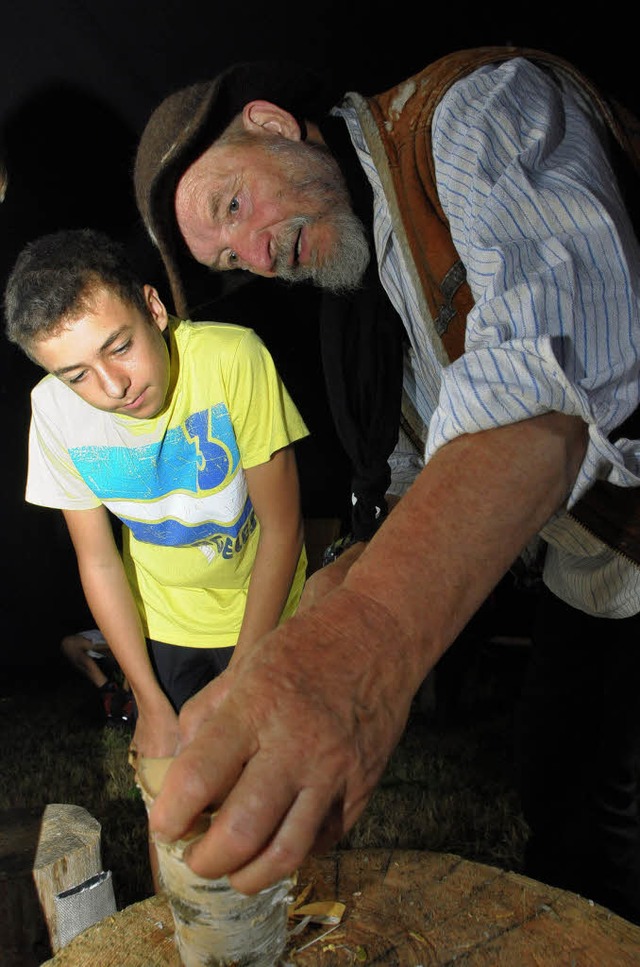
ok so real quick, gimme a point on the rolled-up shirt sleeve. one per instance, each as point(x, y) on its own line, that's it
point(552, 262)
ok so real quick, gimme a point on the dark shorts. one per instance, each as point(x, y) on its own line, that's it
point(183, 671)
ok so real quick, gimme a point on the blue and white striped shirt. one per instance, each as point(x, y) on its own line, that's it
point(553, 265)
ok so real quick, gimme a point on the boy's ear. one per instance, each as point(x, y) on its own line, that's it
point(156, 307)
point(260, 117)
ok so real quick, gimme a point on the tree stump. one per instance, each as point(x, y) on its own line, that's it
point(403, 908)
point(68, 854)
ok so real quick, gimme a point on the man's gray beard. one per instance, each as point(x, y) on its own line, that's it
point(340, 272)
point(316, 176)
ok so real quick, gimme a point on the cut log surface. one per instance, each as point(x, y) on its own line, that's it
point(404, 908)
point(68, 854)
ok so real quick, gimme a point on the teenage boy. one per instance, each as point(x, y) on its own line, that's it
point(185, 432)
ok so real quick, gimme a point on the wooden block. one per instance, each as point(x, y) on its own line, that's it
point(68, 853)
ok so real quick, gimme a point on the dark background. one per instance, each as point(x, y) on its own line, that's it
point(77, 83)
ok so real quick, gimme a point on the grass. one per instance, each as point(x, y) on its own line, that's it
point(449, 786)
point(57, 750)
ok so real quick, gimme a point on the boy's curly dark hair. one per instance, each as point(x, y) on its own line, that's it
point(56, 278)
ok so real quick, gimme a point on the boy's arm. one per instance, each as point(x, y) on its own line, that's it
point(109, 597)
point(275, 495)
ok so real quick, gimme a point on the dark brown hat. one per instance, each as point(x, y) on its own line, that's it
point(188, 121)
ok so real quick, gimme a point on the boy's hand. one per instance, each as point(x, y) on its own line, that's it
point(156, 732)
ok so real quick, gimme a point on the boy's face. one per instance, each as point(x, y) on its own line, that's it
point(113, 356)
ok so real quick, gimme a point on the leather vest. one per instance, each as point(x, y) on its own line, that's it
point(397, 126)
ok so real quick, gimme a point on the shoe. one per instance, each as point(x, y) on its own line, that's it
point(118, 704)
point(128, 710)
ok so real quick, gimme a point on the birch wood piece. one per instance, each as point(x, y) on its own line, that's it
point(403, 908)
point(214, 924)
point(68, 853)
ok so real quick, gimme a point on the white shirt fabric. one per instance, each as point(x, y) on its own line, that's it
point(553, 265)
point(97, 639)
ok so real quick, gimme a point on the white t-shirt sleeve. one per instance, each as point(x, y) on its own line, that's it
point(52, 478)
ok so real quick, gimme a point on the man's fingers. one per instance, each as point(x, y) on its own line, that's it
point(196, 781)
point(245, 822)
point(265, 835)
point(292, 843)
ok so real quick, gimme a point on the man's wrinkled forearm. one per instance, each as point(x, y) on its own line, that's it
point(466, 518)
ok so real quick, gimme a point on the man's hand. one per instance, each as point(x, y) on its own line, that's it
point(298, 744)
point(291, 753)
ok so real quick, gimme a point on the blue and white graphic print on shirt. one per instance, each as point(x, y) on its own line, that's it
point(171, 506)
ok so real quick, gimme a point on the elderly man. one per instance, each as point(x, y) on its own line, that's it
point(480, 205)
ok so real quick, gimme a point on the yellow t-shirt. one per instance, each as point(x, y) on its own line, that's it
point(176, 481)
